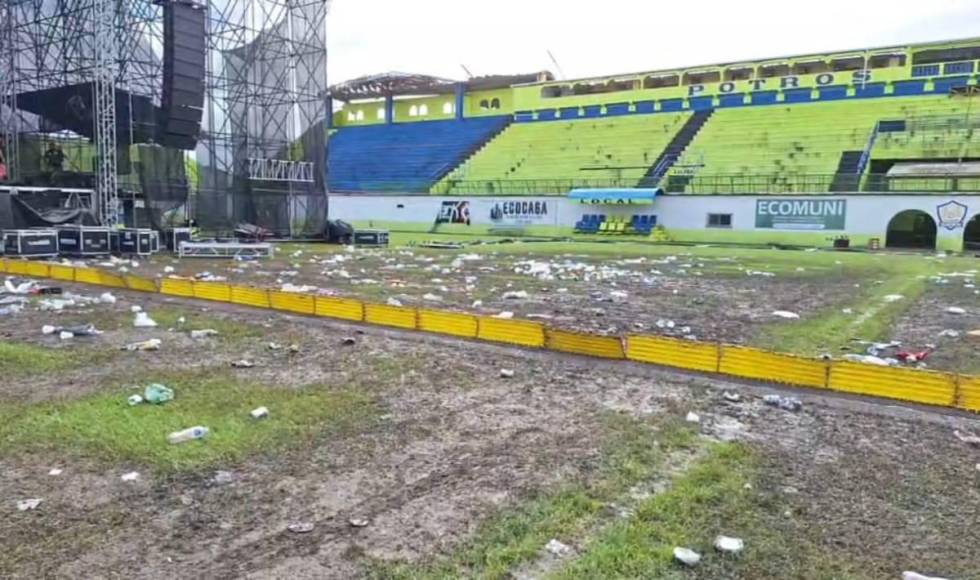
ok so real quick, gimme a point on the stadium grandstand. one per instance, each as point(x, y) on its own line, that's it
point(899, 120)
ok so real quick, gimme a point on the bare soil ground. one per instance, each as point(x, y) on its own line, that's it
point(451, 444)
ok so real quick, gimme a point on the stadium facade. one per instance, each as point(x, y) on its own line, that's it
point(873, 144)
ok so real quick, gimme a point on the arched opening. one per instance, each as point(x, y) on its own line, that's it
point(971, 234)
point(360, 115)
point(448, 108)
point(423, 110)
point(495, 103)
point(911, 229)
point(413, 111)
point(380, 114)
point(484, 105)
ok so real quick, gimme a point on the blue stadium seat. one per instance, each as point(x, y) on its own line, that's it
point(404, 157)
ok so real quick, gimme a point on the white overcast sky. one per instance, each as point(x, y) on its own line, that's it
point(618, 36)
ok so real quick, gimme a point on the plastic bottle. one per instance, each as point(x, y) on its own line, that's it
point(188, 435)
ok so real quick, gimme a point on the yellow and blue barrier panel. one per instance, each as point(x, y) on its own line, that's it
point(904, 384)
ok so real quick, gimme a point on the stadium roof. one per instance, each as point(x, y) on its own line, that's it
point(401, 83)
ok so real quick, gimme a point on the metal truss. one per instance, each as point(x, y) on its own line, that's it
point(279, 170)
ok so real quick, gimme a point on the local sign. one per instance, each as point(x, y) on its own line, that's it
point(797, 214)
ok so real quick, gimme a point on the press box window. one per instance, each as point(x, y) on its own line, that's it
point(719, 220)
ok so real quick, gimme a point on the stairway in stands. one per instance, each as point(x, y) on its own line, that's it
point(675, 148)
point(848, 176)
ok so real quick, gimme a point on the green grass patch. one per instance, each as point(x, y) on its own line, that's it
point(104, 427)
point(22, 360)
point(708, 499)
point(633, 451)
point(228, 329)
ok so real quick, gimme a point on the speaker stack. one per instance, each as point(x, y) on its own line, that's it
point(184, 50)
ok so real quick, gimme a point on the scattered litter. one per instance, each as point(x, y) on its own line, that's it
point(393, 302)
point(869, 359)
point(22, 288)
point(506, 373)
point(358, 522)
point(687, 556)
point(348, 341)
point(893, 298)
point(55, 471)
point(432, 298)
point(28, 504)
point(152, 344)
point(204, 333)
point(692, 417)
point(974, 333)
point(506, 315)
point(134, 309)
point(243, 364)
point(848, 311)
point(558, 548)
point(223, 478)
point(950, 333)
point(157, 394)
point(65, 335)
point(968, 438)
point(259, 413)
point(791, 404)
point(143, 320)
point(168, 269)
point(955, 310)
point(477, 303)
point(131, 476)
point(729, 545)
point(274, 346)
point(301, 528)
point(913, 357)
point(786, 314)
point(107, 298)
point(618, 296)
point(515, 295)
point(916, 576)
point(134, 400)
point(297, 289)
point(731, 397)
point(186, 435)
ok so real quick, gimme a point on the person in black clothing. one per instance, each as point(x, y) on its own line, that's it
point(54, 158)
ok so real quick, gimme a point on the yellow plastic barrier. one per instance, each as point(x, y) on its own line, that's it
point(343, 308)
point(177, 287)
point(928, 387)
point(66, 273)
point(88, 276)
point(140, 284)
point(451, 323)
point(215, 291)
point(291, 302)
point(969, 393)
point(17, 267)
point(397, 316)
point(520, 332)
point(38, 269)
point(255, 297)
point(3, 264)
point(111, 280)
point(671, 352)
point(753, 363)
point(587, 344)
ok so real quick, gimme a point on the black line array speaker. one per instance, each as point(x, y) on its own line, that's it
point(184, 53)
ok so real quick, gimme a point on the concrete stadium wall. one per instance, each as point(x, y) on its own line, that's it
point(685, 217)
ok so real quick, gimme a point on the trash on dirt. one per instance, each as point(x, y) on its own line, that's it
point(301, 528)
point(618, 296)
point(687, 556)
point(692, 417)
point(729, 545)
point(157, 394)
point(913, 357)
point(893, 298)
point(28, 504)
point(358, 522)
point(907, 575)
point(259, 413)
point(168, 269)
point(950, 333)
point(143, 320)
point(955, 310)
point(297, 289)
point(393, 302)
point(293, 349)
point(968, 438)
point(134, 309)
point(55, 471)
point(870, 359)
point(974, 333)
point(20, 288)
point(243, 364)
point(731, 397)
point(506, 373)
point(223, 478)
point(107, 298)
point(786, 314)
point(131, 476)
point(791, 404)
point(506, 315)
point(432, 298)
point(477, 303)
point(665, 323)
point(65, 335)
point(146, 345)
point(515, 295)
point(191, 434)
point(11, 309)
point(558, 548)
point(204, 333)
point(274, 346)
point(348, 341)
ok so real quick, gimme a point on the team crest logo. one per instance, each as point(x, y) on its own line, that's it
point(952, 215)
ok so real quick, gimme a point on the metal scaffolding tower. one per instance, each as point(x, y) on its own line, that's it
point(104, 87)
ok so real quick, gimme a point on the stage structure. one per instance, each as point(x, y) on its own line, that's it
point(170, 109)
